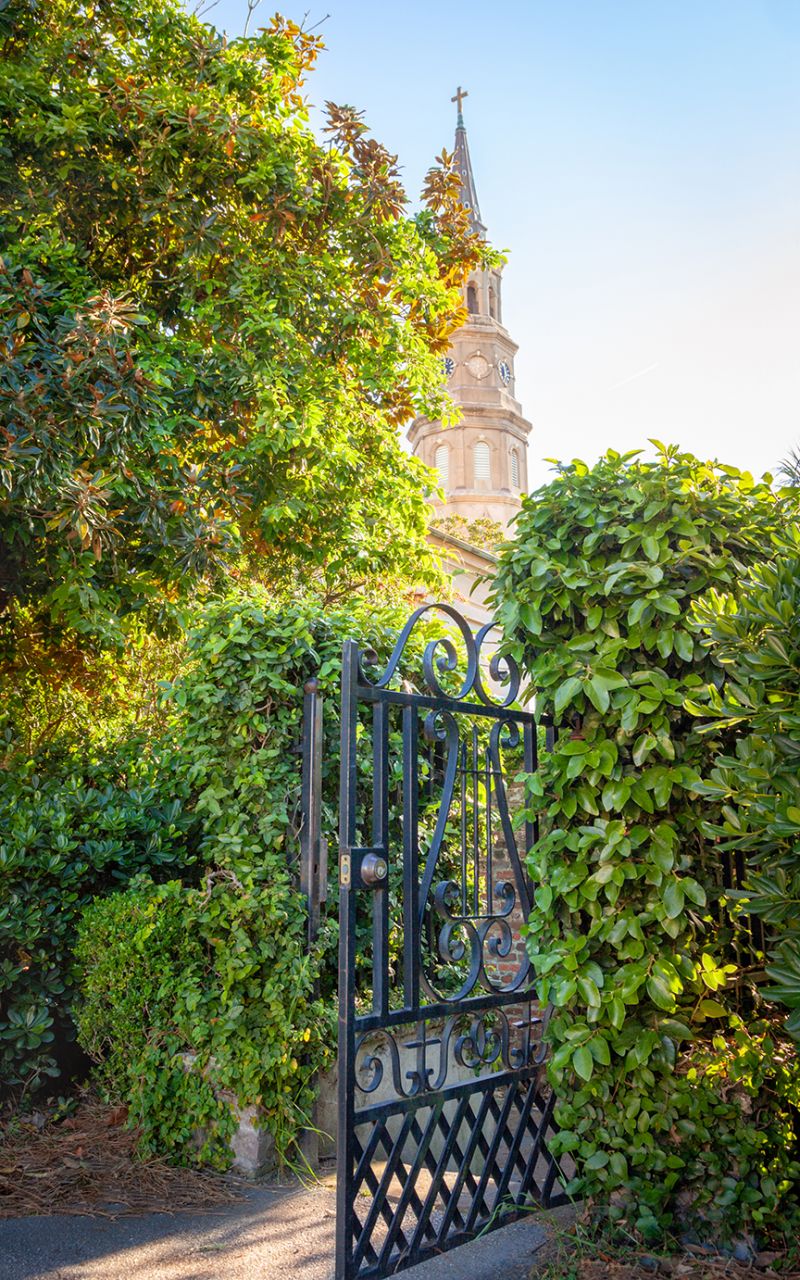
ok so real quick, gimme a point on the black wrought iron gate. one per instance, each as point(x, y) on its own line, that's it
point(443, 1111)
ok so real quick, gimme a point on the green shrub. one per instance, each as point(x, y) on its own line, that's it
point(88, 799)
point(189, 993)
point(665, 1094)
point(237, 714)
point(242, 1006)
point(755, 636)
point(68, 833)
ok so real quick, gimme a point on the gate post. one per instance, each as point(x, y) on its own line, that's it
point(347, 960)
point(313, 848)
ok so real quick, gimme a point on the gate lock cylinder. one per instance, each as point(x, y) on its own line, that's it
point(374, 869)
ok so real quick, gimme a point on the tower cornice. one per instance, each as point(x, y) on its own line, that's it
point(512, 420)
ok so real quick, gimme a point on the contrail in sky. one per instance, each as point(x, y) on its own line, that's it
point(634, 376)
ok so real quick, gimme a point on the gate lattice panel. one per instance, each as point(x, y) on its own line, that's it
point(444, 1114)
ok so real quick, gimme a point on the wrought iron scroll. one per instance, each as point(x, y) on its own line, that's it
point(444, 1115)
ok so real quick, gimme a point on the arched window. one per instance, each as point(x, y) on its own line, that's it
point(492, 303)
point(442, 464)
point(472, 299)
point(482, 462)
point(515, 468)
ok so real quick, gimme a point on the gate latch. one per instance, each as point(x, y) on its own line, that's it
point(362, 869)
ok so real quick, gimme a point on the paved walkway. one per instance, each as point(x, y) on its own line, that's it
point(277, 1233)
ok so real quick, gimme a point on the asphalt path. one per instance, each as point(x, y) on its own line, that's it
point(275, 1233)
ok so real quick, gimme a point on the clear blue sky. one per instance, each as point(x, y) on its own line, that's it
point(640, 160)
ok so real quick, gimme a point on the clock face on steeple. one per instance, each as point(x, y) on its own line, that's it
point(478, 365)
point(449, 365)
point(505, 373)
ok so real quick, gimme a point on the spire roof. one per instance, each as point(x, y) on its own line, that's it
point(463, 166)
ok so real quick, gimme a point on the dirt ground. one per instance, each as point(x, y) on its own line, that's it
point(82, 1161)
point(686, 1268)
point(570, 1257)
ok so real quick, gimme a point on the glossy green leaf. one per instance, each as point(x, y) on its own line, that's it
point(583, 1063)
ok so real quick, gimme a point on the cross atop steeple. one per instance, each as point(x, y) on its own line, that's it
point(459, 96)
point(463, 166)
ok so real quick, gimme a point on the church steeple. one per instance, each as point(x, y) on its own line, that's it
point(463, 166)
point(482, 461)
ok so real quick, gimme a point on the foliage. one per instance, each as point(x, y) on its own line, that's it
point(196, 995)
point(88, 702)
point(212, 323)
point(88, 799)
point(203, 781)
point(654, 1069)
point(482, 532)
point(755, 635)
point(67, 835)
point(212, 326)
point(585, 1250)
point(789, 468)
point(237, 1000)
point(238, 716)
point(237, 712)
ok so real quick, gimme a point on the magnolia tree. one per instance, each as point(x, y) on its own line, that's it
point(213, 323)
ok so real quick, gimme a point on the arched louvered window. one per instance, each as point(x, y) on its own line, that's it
point(472, 299)
point(492, 303)
point(482, 462)
point(515, 468)
point(442, 463)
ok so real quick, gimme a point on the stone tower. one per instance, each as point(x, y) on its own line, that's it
point(482, 461)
